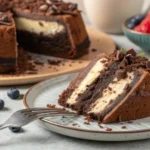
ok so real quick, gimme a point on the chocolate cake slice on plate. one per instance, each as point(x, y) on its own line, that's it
point(111, 89)
point(8, 44)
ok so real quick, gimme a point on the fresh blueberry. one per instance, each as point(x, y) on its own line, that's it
point(140, 17)
point(134, 21)
point(15, 129)
point(131, 25)
point(2, 103)
point(13, 93)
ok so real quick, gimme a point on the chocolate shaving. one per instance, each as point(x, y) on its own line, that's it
point(148, 64)
point(5, 23)
point(54, 61)
point(123, 127)
point(108, 129)
point(121, 74)
point(131, 51)
point(72, 7)
point(119, 55)
point(46, 7)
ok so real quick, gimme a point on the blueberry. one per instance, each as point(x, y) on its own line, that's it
point(131, 25)
point(140, 17)
point(13, 93)
point(15, 129)
point(134, 21)
point(1, 104)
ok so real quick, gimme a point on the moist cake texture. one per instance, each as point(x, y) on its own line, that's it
point(50, 27)
point(8, 45)
point(101, 90)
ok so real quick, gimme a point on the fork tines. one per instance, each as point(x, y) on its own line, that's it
point(44, 112)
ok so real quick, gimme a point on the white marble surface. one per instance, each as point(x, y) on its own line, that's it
point(34, 137)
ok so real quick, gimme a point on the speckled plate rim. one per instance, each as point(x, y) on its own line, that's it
point(74, 128)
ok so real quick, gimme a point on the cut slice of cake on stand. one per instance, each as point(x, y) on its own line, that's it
point(111, 89)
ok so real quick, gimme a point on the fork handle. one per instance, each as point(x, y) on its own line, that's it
point(3, 126)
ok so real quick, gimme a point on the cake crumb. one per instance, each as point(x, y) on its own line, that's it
point(64, 117)
point(39, 63)
point(129, 121)
point(51, 106)
point(54, 61)
point(100, 126)
point(109, 129)
point(87, 123)
point(94, 50)
point(89, 119)
point(123, 127)
point(74, 124)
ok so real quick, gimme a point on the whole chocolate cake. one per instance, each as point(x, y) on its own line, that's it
point(50, 27)
point(112, 88)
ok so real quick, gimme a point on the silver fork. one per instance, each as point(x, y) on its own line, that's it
point(26, 116)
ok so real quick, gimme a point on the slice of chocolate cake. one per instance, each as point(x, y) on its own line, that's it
point(50, 27)
point(8, 45)
point(109, 85)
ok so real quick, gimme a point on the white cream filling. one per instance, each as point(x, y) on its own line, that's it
point(38, 26)
point(109, 96)
point(88, 80)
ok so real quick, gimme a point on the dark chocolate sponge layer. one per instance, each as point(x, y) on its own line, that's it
point(57, 45)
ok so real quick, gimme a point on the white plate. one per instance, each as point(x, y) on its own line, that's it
point(47, 92)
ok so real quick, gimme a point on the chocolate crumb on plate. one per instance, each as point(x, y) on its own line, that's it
point(87, 123)
point(64, 117)
point(94, 50)
point(129, 121)
point(123, 127)
point(100, 126)
point(109, 129)
point(39, 63)
point(51, 106)
point(54, 61)
point(74, 124)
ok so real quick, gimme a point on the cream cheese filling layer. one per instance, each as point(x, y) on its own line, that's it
point(109, 96)
point(88, 80)
point(38, 26)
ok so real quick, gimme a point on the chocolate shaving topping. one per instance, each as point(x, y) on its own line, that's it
point(4, 19)
point(148, 64)
point(131, 51)
point(46, 7)
point(72, 7)
point(48, 2)
point(120, 74)
point(124, 63)
point(119, 55)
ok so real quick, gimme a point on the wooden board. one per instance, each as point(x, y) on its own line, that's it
point(99, 41)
